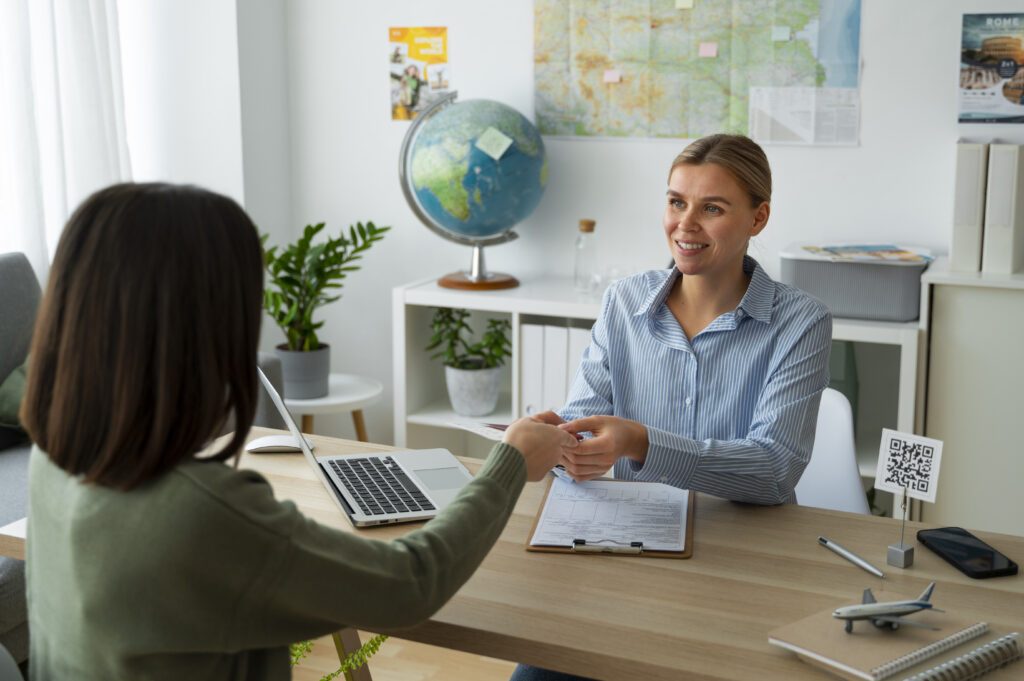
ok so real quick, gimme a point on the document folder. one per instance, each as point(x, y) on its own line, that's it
point(614, 517)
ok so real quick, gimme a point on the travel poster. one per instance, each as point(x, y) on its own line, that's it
point(418, 60)
point(992, 69)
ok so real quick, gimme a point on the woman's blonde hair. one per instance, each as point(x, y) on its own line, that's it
point(740, 155)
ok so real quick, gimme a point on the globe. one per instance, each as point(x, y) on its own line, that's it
point(470, 172)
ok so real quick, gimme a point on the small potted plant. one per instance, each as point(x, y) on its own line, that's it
point(301, 278)
point(472, 370)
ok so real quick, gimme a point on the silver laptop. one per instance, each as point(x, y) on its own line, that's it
point(386, 487)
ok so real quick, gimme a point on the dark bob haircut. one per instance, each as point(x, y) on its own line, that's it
point(146, 339)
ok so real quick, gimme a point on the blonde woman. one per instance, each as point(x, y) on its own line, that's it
point(708, 375)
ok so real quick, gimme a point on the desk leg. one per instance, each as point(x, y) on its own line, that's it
point(307, 423)
point(347, 641)
point(357, 421)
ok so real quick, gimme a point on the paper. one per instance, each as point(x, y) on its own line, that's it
point(494, 143)
point(869, 253)
point(684, 4)
point(613, 513)
point(19, 529)
point(613, 76)
point(780, 33)
point(481, 429)
point(910, 462)
point(708, 50)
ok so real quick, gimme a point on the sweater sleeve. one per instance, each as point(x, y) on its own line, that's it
point(317, 579)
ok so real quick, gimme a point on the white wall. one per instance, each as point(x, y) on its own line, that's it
point(181, 92)
point(895, 186)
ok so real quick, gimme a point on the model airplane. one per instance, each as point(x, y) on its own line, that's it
point(886, 614)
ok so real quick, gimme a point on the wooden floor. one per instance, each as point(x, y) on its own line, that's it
point(399, 660)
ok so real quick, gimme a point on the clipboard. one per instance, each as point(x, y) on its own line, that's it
point(599, 548)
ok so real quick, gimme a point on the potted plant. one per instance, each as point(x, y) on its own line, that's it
point(472, 371)
point(352, 661)
point(302, 277)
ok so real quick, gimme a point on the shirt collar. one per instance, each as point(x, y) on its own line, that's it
point(756, 302)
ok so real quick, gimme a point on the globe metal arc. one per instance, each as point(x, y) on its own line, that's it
point(462, 188)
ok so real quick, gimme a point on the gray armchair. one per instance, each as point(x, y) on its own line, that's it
point(19, 302)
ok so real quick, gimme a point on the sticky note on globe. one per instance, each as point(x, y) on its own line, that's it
point(494, 143)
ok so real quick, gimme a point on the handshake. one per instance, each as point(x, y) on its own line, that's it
point(546, 440)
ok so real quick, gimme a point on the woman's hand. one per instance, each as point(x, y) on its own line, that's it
point(541, 443)
point(613, 437)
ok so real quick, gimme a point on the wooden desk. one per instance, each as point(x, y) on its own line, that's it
point(618, 617)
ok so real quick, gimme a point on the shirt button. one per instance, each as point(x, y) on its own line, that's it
point(688, 401)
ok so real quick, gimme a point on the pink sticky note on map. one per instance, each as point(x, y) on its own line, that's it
point(708, 50)
point(613, 76)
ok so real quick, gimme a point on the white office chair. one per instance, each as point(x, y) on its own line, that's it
point(832, 479)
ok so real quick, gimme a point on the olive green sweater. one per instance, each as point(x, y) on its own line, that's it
point(202, 574)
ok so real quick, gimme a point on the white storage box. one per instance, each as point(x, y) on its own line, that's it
point(859, 281)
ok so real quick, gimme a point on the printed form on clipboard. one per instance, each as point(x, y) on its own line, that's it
point(615, 516)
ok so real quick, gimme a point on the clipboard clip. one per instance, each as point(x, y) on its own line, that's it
point(601, 546)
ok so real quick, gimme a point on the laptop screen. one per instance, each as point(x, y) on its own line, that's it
point(288, 420)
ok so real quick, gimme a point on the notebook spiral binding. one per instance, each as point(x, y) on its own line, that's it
point(976, 663)
point(910, 659)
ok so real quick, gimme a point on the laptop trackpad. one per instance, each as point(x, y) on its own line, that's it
point(441, 478)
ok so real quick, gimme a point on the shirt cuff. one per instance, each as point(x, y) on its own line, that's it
point(671, 459)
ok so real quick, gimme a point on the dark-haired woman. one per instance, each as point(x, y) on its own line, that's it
point(706, 376)
point(147, 562)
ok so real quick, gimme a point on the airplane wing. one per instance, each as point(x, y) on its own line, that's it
point(868, 597)
point(900, 621)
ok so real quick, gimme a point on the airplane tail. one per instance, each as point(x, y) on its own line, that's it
point(927, 593)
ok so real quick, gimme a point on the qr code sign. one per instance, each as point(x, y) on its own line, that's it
point(908, 462)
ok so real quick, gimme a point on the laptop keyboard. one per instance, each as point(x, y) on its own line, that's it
point(380, 486)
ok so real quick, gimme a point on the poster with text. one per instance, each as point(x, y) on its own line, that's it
point(418, 60)
point(992, 69)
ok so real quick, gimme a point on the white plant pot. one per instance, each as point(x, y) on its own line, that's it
point(473, 392)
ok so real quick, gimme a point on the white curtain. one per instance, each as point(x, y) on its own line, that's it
point(62, 130)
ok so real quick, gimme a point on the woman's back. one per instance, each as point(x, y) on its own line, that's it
point(158, 571)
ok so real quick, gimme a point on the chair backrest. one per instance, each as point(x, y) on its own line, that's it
point(19, 300)
point(832, 479)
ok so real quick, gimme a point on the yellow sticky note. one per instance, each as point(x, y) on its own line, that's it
point(684, 4)
point(708, 50)
point(493, 142)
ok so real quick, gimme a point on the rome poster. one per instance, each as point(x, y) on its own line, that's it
point(992, 69)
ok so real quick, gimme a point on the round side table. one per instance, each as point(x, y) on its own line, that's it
point(345, 392)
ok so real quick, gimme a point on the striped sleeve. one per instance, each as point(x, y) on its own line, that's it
point(764, 466)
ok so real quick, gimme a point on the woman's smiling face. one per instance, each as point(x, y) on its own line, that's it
point(709, 220)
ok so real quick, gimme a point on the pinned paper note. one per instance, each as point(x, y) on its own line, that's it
point(684, 4)
point(707, 50)
point(908, 462)
point(780, 33)
point(613, 76)
point(494, 143)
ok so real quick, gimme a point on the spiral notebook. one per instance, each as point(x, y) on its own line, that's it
point(874, 654)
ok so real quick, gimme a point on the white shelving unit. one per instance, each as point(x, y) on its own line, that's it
point(974, 322)
point(421, 400)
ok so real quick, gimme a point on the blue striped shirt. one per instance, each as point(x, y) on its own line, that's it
point(730, 412)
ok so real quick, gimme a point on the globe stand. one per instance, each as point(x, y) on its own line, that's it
point(478, 278)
